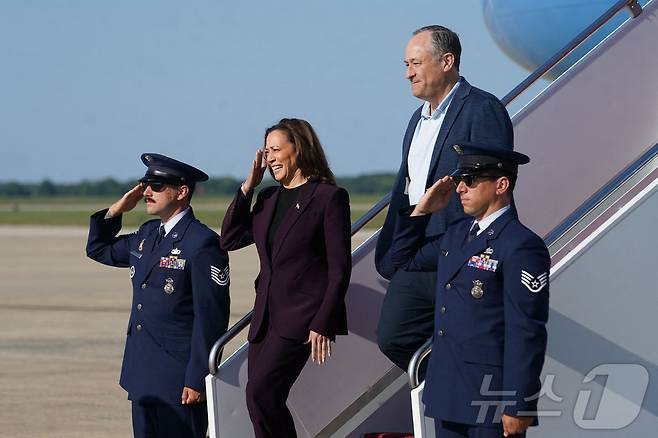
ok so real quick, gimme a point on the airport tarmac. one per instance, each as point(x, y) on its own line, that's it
point(62, 327)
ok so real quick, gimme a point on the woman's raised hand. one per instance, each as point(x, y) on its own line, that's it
point(256, 173)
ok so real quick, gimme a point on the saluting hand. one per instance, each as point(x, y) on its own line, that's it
point(256, 173)
point(190, 396)
point(320, 347)
point(127, 201)
point(436, 197)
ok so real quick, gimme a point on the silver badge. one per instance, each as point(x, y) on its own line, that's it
point(490, 232)
point(132, 271)
point(174, 235)
point(477, 290)
point(458, 149)
point(141, 246)
point(175, 251)
point(488, 251)
point(169, 287)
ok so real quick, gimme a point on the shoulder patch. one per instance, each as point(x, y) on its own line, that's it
point(220, 276)
point(534, 284)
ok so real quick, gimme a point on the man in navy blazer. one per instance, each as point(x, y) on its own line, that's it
point(180, 305)
point(453, 112)
point(491, 299)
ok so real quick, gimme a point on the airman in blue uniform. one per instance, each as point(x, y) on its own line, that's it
point(491, 299)
point(180, 304)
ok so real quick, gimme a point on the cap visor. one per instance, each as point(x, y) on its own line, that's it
point(159, 179)
point(464, 171)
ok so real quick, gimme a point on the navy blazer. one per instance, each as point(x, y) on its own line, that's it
point(490, 315)
point(473, 116)
point(180, 303)
point(304, 281)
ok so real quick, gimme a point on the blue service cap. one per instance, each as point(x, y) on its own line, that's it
point(476, 159)
point(163, 169)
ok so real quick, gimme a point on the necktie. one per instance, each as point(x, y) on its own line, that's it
point(473, 233)
point(161, 235)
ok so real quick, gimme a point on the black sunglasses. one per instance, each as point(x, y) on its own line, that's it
point(470, 180)
point(158, 186)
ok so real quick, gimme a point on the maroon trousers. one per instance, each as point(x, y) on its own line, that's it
point(274, 365)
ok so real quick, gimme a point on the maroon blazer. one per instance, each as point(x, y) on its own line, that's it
point(305, 280)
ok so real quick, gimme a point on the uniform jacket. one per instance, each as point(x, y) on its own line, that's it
point(491, 310)
point(302, 283)
point(180, 303)
point(473, 116)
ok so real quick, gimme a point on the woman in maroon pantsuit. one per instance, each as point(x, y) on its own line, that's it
point(301, 229)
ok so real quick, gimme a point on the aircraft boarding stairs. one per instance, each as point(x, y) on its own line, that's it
point(592, 190)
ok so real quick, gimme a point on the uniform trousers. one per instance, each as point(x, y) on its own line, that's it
point(448, 429)
point(160, 420)
point(274, 365)
point(407, 316)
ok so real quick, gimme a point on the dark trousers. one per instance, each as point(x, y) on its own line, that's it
point(274, 365)
point(407, 315)
point(448, 429)
point(159, 420)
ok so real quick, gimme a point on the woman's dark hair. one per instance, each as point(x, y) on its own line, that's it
point(310, 156)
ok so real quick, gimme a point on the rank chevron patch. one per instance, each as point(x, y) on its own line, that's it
point(219, 276)
point(534, 284)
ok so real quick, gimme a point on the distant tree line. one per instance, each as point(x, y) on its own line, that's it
point(374, 184)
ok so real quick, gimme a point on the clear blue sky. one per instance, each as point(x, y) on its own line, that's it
point(87, 86)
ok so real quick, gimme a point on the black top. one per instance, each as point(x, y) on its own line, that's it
point(287, 198)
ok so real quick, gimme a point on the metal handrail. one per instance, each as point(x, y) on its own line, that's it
point(635, 9)
point(370, 214)
point(231, 333)
point(218, 347)
point(416, 360)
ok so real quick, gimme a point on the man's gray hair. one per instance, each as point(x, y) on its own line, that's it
point(443, 41)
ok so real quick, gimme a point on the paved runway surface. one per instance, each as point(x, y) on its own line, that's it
point(62, 326)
